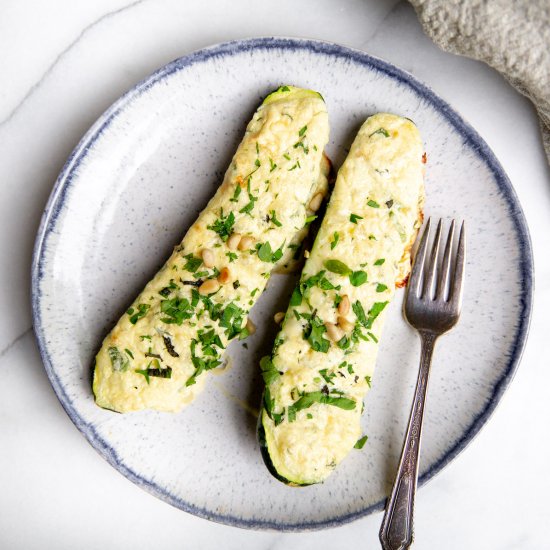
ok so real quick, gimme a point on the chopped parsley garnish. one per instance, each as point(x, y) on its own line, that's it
point(118, 361)
point(335, 239)
point(302, 131)
point(308, 399)
point(336, 266)
point(192, 263)
point(357, 278)
point(142, 310)
point(380, 261)
point(380, 287)
point(315, 280)
point(372, 238)
point(273, 218)
point(368, 381)
point(269, 372)
point(327, 376)
point(231, 320)
point(267, 255)
point(232, 256)
point(310, 219)
point(223, 226)
point(128, 352)
point(145, 337)
point(272, 165)
point(176, 310)
point(284, 89)
point(361, 442)
point(287, 156)
point(373, 204)
point(374, 311)
point(354, 217)
point(165, 292)
point(252, 199)
point(236, 193)
point(253, 293)
point(381, 131)
point(313, 333)
point(296, 298)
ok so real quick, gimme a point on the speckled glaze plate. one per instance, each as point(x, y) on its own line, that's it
point(133, 186)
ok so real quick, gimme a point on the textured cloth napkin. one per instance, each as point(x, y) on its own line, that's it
point(512, 36)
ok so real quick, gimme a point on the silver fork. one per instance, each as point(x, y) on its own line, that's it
point(432, 307)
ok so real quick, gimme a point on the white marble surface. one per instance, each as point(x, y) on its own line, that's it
point(62, 64)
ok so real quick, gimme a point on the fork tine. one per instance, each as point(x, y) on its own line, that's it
point(445, 273)
point(457, 288)
point(418, 264)
point(432, 267)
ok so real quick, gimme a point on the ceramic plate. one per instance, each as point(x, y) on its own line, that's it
point(134, 185)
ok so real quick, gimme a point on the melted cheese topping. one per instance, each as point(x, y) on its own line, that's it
point(176, 330)
point(316, 385)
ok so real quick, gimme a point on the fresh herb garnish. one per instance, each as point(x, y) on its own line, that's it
point(380, 287)
point(361, 442)
point(302, 131)
point(272, 165)
point(176, 310)
point(169, 346)
point(313, 333)
point(296, 298)
point(368, 381)
point(308, 399)
point(336, 266)
point(267, 255)
point(310, 219)
point(236, 194)
point(118, 361)
point(129, 353)
point(335, 239)
point(192, 263)
point(165, 292)
point(354, 217)
point(389, 203)
point(223, 226)
point(273, 218)
point(142, 310)
point(357, 278)
point(373, 204)
point(381, 131)
point(232, 256)
point(269, 372)
point(380, 261)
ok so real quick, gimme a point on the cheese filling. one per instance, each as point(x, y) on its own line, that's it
point(324, 356)
point(179, 326)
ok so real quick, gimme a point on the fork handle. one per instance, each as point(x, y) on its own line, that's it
point(396, 532)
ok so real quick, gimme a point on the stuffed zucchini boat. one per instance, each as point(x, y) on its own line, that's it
point(324, 356)
point(176, 330)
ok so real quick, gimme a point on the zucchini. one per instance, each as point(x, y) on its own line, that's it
point(176, 330)
point(324, 355)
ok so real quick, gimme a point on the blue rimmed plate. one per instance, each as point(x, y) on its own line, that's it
point(136, 182)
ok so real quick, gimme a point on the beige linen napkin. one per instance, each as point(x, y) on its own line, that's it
point(512, 36)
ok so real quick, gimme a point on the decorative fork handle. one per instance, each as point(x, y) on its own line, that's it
point(396, 532)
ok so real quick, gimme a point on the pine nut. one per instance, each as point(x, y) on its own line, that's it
point(278, 317)
point(250, 326)
point(246, 243)
point(344, 305)
point(233, 241)
point(209, 287)
point(333, 332)
point(315, 202)
point(345, 325)
point(208, 258)
point(224, 275)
